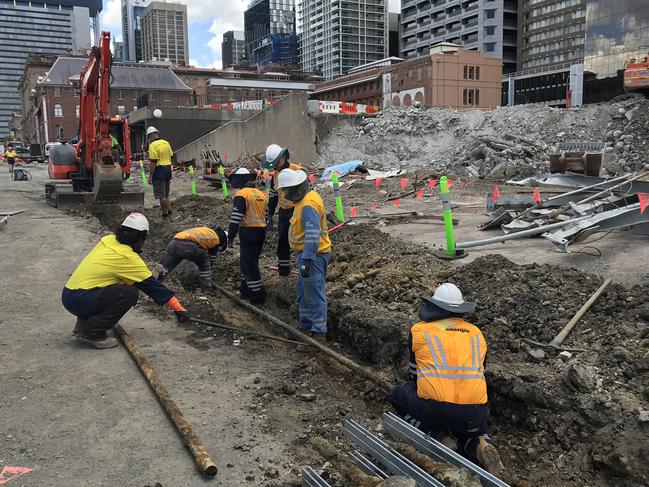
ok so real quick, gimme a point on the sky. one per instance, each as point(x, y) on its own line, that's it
point(208, 21)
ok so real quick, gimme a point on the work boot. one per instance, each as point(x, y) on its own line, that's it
point(318, 337)
point(78, 327)
point(99, 343)
point(489, 458)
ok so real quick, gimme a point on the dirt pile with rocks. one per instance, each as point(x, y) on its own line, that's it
point(504, 143)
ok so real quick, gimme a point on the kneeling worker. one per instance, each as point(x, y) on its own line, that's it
point(200, 245)
point(248, 219)
point(447, 392)
point(107, 282)
point(309, 240)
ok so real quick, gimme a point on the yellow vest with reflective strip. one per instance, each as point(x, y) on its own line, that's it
point(296, 230)
point(109, 262)
point(256, 204)
point(450, 357)
point(283, 202)
point(10, 153)
point(202, 236)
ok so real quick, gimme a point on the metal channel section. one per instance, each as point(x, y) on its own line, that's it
point(367, 466)
point(380, 451)
point(433, 448)
point(311, 478)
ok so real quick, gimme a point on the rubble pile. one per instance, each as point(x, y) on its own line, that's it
point(503, 143)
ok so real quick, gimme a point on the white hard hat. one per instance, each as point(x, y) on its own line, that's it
point(151, 130)
point(290, 177)
point(136, 221)
point(242, 170)
point(449, 297)
point(273, 154)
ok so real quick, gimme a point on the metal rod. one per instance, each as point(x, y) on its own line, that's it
point(184, 427)
point(367, 465)
point(350, 364)
point(435, 449)
point(585, 188)
point(524, 233)
point(311, 478)
point(561, 336)
point(243, 330)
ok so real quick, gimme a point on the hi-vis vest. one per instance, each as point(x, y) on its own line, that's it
point(450, 357)
point(283, 202)
point(296, 230)
point(256, 204)
point(202, 236)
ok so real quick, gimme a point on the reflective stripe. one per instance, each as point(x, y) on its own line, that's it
point(457, 367)
point(444, 366)
point(433, 352)
point(256, 203)
point(449, 376)
point(446, 202)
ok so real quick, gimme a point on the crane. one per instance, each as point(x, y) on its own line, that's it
point(98, 169)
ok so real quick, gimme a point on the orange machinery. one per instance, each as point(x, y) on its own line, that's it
point(636, 75)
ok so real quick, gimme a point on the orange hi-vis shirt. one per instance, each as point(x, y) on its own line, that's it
point(204, 237)
point(256, 204)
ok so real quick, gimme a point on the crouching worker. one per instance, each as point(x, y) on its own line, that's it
point(200, 245)
point(248, 219)
point(107, 282)
point(447, 392)
point(309, 240)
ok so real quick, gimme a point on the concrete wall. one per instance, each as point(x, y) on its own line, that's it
point(286, 123)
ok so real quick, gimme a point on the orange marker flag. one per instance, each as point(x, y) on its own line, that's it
point(7, 474)
point(352, 210)
point(463, 184)
point(644, 201)
point(495, 194)
point(537, 195)
point(432, 183)
point(377, 181)
point(373, 206)
point(404, 182)
point(420, 194)
point(311, 178)
point(397, 202)
point(225, 156)
point(450, 183)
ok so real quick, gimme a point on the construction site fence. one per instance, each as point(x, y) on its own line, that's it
point(243, 105)
point(341, 107)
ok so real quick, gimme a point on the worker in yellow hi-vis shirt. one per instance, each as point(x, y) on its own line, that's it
point(160, 156)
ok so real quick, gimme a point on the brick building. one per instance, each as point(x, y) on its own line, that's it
point(54, 101)
point(448, 77)
point(36, 66)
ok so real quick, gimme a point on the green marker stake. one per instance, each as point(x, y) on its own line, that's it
point(193, 179)
point(448, 215)
point(339, 201)
point(145, 183)
point(224, 184)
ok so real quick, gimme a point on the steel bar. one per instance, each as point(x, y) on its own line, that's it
point(380, 451)
point(367, 466)
point(243, 330)
point(311, 478)
point(436, 450)
point(350, 364)
point(193, 442)
point(512, 236)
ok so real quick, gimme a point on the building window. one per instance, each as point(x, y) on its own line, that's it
point(59, 131)
point(58, 110)
point(490, 46)
point(471, 101)
point(471, 72)
point(464, 97)
point(57, 91)
point(119, 95)
point(466, 70)
point(477, 97)
point(121, 109)
point(77, 111)
point(489, 30)
point(477, 72)
point(491, 13)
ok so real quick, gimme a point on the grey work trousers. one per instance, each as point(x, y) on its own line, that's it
point(179, 250)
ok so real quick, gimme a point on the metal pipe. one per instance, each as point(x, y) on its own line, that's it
point(524, 233)
point(579, 190)
point(193, 442)
point(243, 330)
point(350, 364)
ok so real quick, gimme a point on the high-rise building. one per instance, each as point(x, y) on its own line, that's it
point(338, 35)
point(164, 33)
point(393, 34)
point(233, 47)
point(132, 28)
point(487, 25)
point(270, 32)
point(550, 33)
point(119, 50)
point(56, 27)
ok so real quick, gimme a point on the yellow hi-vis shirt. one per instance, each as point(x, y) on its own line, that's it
point(110, 262)
point(160, 150)
point(256, 204)
point(450, 357)
point(296, 230)
point(204, 237)
point(283, 202)
point(10, 153)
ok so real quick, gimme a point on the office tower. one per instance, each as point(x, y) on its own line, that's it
point(233, 47)
point(270, 32)
point(164, 33)
point(132, 28)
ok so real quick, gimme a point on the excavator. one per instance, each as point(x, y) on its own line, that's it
point(102, 163)
point(636, 76)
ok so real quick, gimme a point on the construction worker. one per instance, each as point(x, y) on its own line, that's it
point(107, 282)
point(248, 219)
point(200, 245)
point(309, 240)
point(10, 155)
point(160, 155)
point(277, 159)
point(447, 392)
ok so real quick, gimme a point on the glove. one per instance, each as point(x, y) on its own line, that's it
point(305, 268)
point(269, 221)
point(182, 316)
point(230, 243)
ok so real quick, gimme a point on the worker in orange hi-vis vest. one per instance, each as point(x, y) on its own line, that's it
point(447, 393)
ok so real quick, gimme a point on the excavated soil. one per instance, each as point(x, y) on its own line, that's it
point(558, 420)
